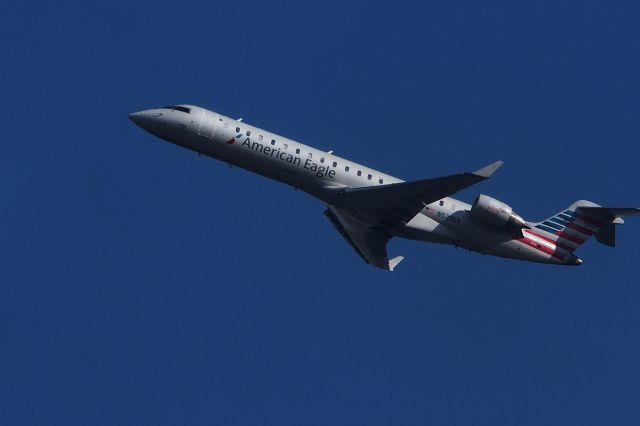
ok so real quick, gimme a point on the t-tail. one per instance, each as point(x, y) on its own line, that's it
point(570, 228)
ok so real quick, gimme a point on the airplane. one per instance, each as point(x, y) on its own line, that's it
point(368, 208)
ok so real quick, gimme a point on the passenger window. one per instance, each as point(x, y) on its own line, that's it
point(322, 159)
point(380, 181)
point(346, 168)
point(441, 203)
point(359, 173)
point(310, 155)
point(369, 177)
point(297, 150)
point(335, 164)
point(273, 141)
point(248, 132)
point(237, 129)
point(286, 146)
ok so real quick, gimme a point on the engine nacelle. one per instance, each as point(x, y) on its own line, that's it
point(496, 214)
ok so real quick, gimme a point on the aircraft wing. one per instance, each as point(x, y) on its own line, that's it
point(367, 239)
point(398, 203)
point(365, 217)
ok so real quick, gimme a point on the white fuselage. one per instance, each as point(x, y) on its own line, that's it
point(319, 173)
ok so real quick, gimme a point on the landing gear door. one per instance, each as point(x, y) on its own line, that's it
point(208, 121)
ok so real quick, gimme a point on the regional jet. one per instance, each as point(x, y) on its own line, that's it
point(368, 208)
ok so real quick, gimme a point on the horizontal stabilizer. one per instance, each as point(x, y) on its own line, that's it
point(610, 213)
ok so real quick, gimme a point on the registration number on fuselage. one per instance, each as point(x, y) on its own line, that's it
point(448, 217)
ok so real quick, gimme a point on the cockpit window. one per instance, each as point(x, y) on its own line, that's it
point(178, 108)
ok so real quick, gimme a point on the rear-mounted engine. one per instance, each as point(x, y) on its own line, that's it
point(497, 214)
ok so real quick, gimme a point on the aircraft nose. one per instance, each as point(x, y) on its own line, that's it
point(133, 116)
point(147, 120)
point(137, 117)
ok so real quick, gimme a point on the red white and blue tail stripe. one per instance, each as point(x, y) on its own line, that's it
point(568, 229)
point(560, 235)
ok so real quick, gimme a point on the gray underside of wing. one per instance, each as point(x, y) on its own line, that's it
point(368, 240)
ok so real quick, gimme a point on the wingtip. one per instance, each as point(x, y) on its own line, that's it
point(394, 262)
point(487, 171)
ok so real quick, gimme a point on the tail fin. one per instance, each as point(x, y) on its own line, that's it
point(570, 228)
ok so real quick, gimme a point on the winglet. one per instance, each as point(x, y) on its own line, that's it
point(394, 262)
point(487, 171)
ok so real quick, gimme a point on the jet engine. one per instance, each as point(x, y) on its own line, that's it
point(496, 214)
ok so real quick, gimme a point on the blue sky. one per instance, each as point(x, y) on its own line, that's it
point(143, 285)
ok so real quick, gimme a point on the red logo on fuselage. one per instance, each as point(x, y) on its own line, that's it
point(233, 140)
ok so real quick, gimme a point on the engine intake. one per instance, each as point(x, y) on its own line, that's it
point(496, 214)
